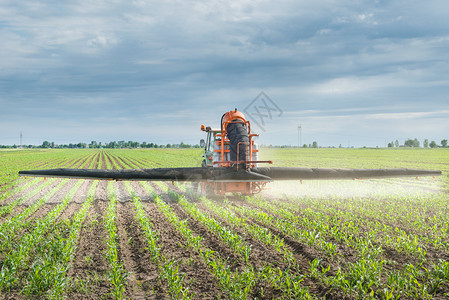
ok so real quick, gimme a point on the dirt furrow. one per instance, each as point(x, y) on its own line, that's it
point(140, 191)
point(108, 158)
point(116, 162)
point(145, 163)
point(210, 240)
point(23, 192)
point(102, 191)
point(173, 246)
point(44, 191)
point(103, 160)
point(88, 274)
point(347, 252)
point(96, 160)
point(132, 162)
point(30, 200)
point(63, 192)
point(121, 193)
point(145, 274)
point(82, 192)
point(131, 245)
point(53, 201)
point(262, 254)
point(89, 160)
point(76, 202)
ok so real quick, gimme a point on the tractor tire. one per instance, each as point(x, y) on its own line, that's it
point(239, 141)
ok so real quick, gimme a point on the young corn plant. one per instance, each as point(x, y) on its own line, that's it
point(6, 209)
point(360, 279)
point(11, 226)
point(62, 263)
point(117, 274)
point(288, 282)
point(233, 240)
point(169, 269)
point(237, 284)
point(260, 233)
point(20, 254)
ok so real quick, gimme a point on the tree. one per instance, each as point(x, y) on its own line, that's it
point(433, 144)
point(112, 145)
point(444, 143)
point(314, 144)
point(46, 144)
point(411, 143)
point(396, 144)
point(93, 144)
point(416, 143)
point(426, 143)
point(390, 145)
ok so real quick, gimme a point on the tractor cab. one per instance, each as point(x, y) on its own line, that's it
point(209, 145)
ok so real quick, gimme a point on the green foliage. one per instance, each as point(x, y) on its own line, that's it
point(380, 246)
point(117, 274)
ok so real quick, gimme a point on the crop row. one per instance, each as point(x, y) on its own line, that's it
point(117, 274)
point(367, 276)
point(30, 254)
point(364, 276)
point(378, 247)
point(168, 268)
point(286, 281)
point(11, 184)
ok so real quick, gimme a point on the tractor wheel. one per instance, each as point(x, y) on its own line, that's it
point(238, 142)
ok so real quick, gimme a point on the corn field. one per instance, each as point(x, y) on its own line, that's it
point(88, 239)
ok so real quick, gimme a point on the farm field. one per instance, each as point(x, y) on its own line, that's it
point(87, 239)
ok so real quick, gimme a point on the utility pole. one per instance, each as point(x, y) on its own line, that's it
point(299, 136)
point(21, 140)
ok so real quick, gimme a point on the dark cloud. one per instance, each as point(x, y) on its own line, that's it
point(127, 67)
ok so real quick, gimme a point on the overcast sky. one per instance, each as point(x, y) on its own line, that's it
point(357, 73)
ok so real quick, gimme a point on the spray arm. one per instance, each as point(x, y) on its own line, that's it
point(229, 174)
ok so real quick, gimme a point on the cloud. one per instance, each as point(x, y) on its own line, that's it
point(188, 62)
point(347, 85)
point(101, 41)
point(410, 115)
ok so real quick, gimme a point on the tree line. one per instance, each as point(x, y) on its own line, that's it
point(412, 143)
point(100, 145)
point(416, 144)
